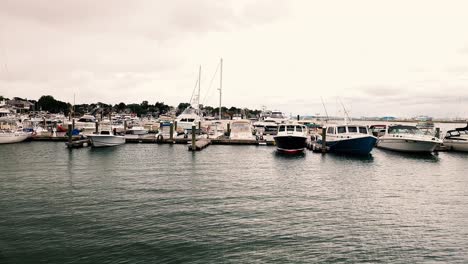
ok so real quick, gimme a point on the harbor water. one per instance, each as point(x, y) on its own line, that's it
point(149, 203)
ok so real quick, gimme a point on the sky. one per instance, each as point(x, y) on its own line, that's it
point(377, 58)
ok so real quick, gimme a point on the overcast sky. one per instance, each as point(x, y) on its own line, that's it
point(400, 58)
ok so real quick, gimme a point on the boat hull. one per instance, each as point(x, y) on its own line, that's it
point(353, 146)
point(8, 138)
point(106, 140)
point(290, 144)
point(456, 145)
point(407, 145)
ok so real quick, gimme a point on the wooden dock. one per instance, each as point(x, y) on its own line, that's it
point(199, 144)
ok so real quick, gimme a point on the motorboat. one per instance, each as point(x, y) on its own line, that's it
point(378, 130)
point(291, 138)
point(264, 128)
point(106, 138)
point(86, 123)
point(276, 116)
point(8, 136)
point(407, 138)
point(188, 118)
point(457, 139)
point(348, 139)
point(242, 129)
point(137, 130)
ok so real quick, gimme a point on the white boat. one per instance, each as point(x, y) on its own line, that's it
point(407, 139)
point(191, 115)
point(276, 116)
point(291, 138)
point(87, 123)
point(137, 130)
point(457, 139)
point(242, 129)
point(12, 136)
point(106, 139)
point(349, 139)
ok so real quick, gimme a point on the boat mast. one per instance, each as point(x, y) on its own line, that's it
point(220, 86)
point(199, 85)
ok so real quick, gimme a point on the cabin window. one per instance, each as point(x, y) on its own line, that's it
point(281, 129)
point(341, 129)
point(290, 128)
point(330, 130)
point(352, 129)
point(298, 129)
point(105, 133)
point(191, 119)
point(363, 130)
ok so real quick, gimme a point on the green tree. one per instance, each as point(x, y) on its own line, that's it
point(181, 107)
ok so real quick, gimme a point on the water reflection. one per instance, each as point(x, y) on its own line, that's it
point(347, 157)
point(289, 156)
point(429, 157)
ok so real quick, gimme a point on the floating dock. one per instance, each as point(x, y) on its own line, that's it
point(199, 144)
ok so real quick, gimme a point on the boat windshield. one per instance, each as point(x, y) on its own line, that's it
point(290, 128)
point(404, 130)
point(282, 129)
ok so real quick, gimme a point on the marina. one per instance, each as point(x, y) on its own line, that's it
point(233, 132)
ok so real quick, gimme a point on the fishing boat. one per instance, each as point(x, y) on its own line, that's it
point(7, 136)
point(407, 138)
point(291, 138)
point(457, 139)
point(106, 138)
point(348, 139)
point(192, 114)
point(242, 129)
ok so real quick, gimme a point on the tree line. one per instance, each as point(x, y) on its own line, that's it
point(50, 104)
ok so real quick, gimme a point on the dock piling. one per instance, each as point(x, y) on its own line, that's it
point(125, 125)
point(70, 132)
point(171, 132)
point(228, 129)
point(324, 140)
point(199, 127)
point(97, 127)
point(73, 124)
point(193, 137)
point(175, 126)
point(437, 132)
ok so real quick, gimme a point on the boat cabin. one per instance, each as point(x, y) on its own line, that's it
point(347, 129)
point(291, 129)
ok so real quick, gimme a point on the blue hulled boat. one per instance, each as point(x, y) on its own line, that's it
point(349, 139)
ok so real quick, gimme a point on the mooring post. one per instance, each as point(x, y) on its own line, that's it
point(199, 127)
point(437, 133)
point(175, 126)
point(70, 131)
point(193, 138)
point(171, 132)
point(97, 127)
point(73, 124)
point(229, 129)
point(324, 140)
point(125, 125)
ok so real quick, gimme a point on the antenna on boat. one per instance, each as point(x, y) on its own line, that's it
point(220, 85)
point(326, 112)
point(347, 118)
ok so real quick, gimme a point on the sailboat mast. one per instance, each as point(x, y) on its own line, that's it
point(220, 86)
point(199, 86)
